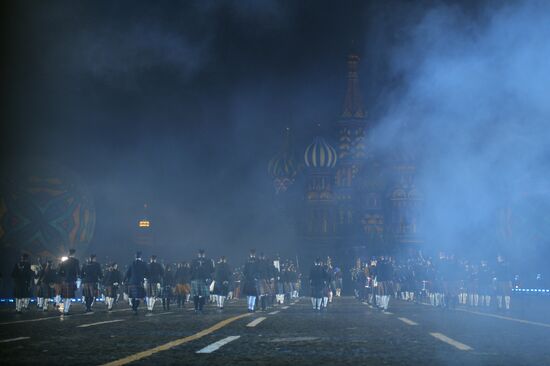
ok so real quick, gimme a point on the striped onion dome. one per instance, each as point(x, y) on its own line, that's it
point(282, 165)
point(320, 154)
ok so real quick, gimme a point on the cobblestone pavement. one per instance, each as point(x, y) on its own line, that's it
point(348, 332)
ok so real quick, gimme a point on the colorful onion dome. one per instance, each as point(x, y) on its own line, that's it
point(320, 155)
point(283, 167)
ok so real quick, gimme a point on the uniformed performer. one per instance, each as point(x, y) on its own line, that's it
point(384, 277)
point(263, 281)
point(202, 270)
point(137, 271)
point(91, 275)
point(167, 287)
point(153, 286)
point(503, 283)
point(22, 276)
point(112, 281)
point(250, 277)
point(318, 284)
point(183, 283)
point(69, 271)
point(222, 279)
point(47, 282)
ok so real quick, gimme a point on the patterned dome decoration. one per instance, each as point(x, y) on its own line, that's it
point(320, 155)
point(44, 210)
point(283, 169)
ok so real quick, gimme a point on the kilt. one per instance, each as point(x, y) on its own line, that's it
point(90, 289)
point(385, 288)
point(153, 289)
point(111, 291)
point(44, 290)
point(249, 288)
point(183, 289)
point(199, 288)
point(318, 291)
point(221, 288)
point(68, 290)
point(136, 291)
point(263, 287)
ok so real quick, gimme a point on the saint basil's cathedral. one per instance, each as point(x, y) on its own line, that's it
point(355, 202)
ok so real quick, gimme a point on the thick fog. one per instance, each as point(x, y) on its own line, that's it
point(475, 112)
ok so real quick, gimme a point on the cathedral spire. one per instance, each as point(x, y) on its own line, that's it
point(353, 104)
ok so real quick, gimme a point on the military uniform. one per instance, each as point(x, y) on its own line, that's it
point(91, 274)
point(22, 276)
point(153, 288)
point(69, 271)
point(222, 279)
point(135, 274)
point(250, 277)
point(202, 269)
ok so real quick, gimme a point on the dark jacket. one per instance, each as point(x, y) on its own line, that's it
point(137, 271)
point(202, 269)
point(112, 276)
point(91, 272)
point(223, 273)
point(69, 270)
point(183, 275)
point(155, 272)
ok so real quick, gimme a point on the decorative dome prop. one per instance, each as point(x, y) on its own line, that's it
point(44, 210)
point(283, 170)
point(320, 155)
point(282, 167)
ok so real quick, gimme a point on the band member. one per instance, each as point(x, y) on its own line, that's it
point(69, 271)
point(250, 277)
point(38, 269)
point(485, 280)
point(318, 283)
point(155, 272)
point(384, 276)
point(183, 283)
point(202, 269)
point(167, 286)
point(222, 278)
point(279, 281)
point(264, 276)
point(22, 276)
point(137, 271)
point(91, 275)
point(338, 280)
point(503, 283)
point(112, 281)
point(47, 283)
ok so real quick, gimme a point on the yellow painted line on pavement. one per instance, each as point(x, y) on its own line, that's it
point(175, 343)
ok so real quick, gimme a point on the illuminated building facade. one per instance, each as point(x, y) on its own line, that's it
point(144, 236)
point(356, 202)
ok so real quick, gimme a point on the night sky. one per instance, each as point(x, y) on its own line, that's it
point(181, 104)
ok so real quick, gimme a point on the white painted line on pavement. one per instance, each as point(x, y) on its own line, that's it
point(284, 307)
point(255, 322)
point(14, 339)
point(217, 345)
point(119, 310)
point(274, 312)
point(99, 323)
point(157, 314)
point(452, 342)
point(408, 321)
point(506, 318)
point(32, 320)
